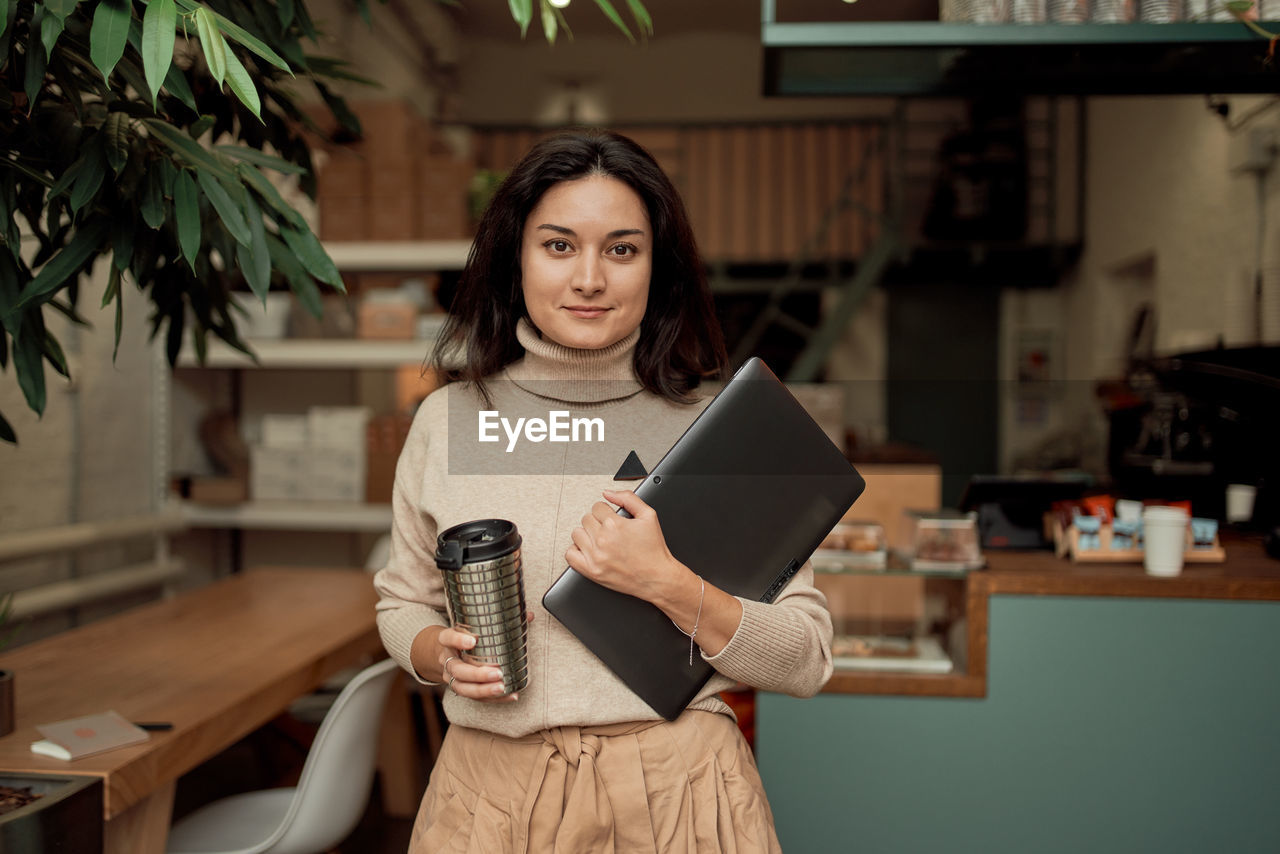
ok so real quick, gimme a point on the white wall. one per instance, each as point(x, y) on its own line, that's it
point(1170, 218)
point(702, 76)
point(90, 457)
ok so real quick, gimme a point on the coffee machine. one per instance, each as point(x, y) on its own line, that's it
point(1196, 422)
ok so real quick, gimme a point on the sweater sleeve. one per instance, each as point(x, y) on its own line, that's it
point(784, 646)
point(410, 590)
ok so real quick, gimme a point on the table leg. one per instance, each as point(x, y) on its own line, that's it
point(398, 756)
point(144, 827)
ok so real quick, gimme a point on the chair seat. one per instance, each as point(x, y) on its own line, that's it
point(240, 824)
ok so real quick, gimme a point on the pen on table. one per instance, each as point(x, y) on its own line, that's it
point(153, 726)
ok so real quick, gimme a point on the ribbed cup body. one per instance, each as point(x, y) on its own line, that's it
point(487, 599)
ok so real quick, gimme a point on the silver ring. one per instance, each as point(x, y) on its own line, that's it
point(445, 666)
point(450, 685)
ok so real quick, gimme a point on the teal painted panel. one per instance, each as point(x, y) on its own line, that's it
point(1111, 724)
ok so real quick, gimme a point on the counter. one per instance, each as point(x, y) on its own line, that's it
point(1247, 574)
point(1103, 710)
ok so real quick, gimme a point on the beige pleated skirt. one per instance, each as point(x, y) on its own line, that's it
point(665, 788)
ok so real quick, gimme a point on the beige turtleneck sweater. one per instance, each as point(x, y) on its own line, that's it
point(447, 476)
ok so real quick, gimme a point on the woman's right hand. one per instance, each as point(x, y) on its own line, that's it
point(475, 681)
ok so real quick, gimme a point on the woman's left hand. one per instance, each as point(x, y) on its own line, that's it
point(627, 555)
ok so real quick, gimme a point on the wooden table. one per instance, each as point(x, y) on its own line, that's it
point(217, 662)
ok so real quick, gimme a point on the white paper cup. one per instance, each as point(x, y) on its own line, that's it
point(1240, 498)
point(1164, 535)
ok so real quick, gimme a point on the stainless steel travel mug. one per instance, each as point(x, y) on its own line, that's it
point(484, 586)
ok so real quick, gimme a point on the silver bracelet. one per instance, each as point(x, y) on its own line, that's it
point(693, 634)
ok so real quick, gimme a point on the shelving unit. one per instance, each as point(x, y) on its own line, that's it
point(290, 515)
point(943, 58)
point(375, 255)
point(311, 353)
point(283, 375)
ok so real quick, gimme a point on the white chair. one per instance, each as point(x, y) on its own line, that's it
point(329, 799)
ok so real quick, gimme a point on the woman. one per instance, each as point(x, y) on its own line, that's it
point(583, 294)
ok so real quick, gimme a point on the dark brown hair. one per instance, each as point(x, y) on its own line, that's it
point(680, 338)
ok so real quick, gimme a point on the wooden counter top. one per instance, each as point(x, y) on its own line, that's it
point(1247, 574)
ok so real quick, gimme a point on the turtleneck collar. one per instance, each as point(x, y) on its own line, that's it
point(574, 376)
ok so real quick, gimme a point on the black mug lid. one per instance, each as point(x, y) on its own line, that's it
point(472, 542)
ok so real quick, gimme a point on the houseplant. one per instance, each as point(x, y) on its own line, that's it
point(152, 133)
point(7, 630)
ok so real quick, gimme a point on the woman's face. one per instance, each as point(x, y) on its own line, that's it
point(585, 262)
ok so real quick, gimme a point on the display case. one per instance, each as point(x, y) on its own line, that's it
point(895, 619)
point(900, 626)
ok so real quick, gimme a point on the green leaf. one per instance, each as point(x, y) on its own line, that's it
point(307, 26)
point(215, 48)
point(255, 259)
point(152, 205)
point(564, 25)
point(195, 154)
point(522, 11)
point(159, 31)
point(173, 341)
point(175, 83)
point(168, 175)
point(69, 177)
point(338, 69)
point(6, 431)
point(10, 11)
point(28, 361)
point(61, 8)
point(116, 137)
point(53, 352)
point(643, 22)
point(113, 287)
point(242, 84)
point(186, 205)
point(612, 14)
point(201, 126)
point(237, 33)
point(122, 244)
point(258, 158)
point(312, 255)
point(365, 14)
point(349, 120)
point(50, 28)
point(90, 177)
point(83, 246)
point(119, 325)
point(37, 59)
point(109, 35)
point(300, 282)
point(270, 194)
point(549, 22)
point(1239, 7)
point(231, 215)
point(10, 293)
point(284, 11)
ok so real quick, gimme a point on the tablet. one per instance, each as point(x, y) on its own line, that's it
point(744, 497)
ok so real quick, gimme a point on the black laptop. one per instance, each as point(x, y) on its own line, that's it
point(744, 497)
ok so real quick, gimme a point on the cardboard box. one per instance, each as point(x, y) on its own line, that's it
point(335, 474)
point(284, 431)
point(386, 436)
point(277, 474)
point(387, 320)
point(337, 427)
point(218, 490)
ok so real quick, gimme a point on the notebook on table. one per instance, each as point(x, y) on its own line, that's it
point(744, 497)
